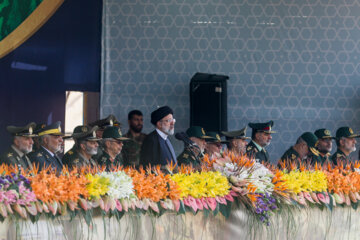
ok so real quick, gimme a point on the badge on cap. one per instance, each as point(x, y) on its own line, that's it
point(84, 129)
point(59, 128)
point(327, 132)
point(111, 122)
point(94, 134)
point(218, 137)
point(119, 132)
point(203, 131)
point(351, 131)
point(30, 130)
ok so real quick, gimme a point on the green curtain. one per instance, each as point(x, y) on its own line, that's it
point(13, 13)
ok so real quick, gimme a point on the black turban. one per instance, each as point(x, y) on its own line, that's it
point(160, 113)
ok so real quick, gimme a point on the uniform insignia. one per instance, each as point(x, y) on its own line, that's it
point(203, 131)
point(185, 155)
point(39, 155)
point(119, 131)
point(351, 131)
point(111, 122)
point(327, 132)
point(103, 159)
point(30, 130)
point(84, 129)
point(9, 155)
point(76, 160)
point(17, 158)
point(218, 137)
point(70, 152)
point(293, 156)
point(338, 155)
point(94, 134)
point(59, 128)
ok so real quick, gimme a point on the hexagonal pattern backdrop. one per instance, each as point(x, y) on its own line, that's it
point(295, 62)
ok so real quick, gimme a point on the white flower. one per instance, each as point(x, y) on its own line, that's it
point(121, 185)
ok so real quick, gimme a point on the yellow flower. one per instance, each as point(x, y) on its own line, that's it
point(204, 184)
point(305, 181)
point(98, 186)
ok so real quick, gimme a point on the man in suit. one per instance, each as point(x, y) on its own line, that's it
point(157, 148)
point(85, 148)
point(22, 145)
point(260, 138)
point(50, 139)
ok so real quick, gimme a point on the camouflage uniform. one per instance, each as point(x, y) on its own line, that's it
point(74, 159)
point(131, 149)
point(105, 160)
point(188, 158)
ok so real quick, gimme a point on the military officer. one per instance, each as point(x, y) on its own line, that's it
point(324, 145)
point(37, 129)
point(131, 149)
point(193, 155)
point(214, 144)
point(50, 139)
point(260, 138)
point(345, 142)
point(113, 143)
point(237, 141)
point(22, 145)
point(102, 124)
point(85, 147)
point(303, 149)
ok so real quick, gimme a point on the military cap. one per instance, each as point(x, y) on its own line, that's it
point(113, 132)
point(346, 132)
point(27, 131)
point(215, 138)
point(262, 127)
point(312, 141)
point(52, 129)
point(106, 122)
point(160, 113)
point(38, 127)
point(240, 134)
point(196, 131)
point(84, 132)
point(323, 133)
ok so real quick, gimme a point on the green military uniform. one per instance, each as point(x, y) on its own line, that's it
point(191, 155)
point(187, 157)
point(131, 149)
point(13, 156)
point(290, 155)
point(253, 149)
point(111, 134)
point(339, 156)
point(233, 135)
point(323, 157)
point(73, 158)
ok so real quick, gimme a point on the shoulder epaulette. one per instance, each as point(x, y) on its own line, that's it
point(10, 155)
point(39, 154)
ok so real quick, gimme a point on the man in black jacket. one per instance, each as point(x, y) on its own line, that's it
point(156, 148)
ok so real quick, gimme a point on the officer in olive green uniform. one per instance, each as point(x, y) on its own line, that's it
point(113, 143)
point(192, 155)
point(102, 124)
point(85, 147)
point(345, 141)
point(304, 149)
point(324, 145)
point(237, 140)
point(16, 155)
point(260, 138)
point(214, 144)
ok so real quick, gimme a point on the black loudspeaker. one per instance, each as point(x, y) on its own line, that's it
point(208, 101)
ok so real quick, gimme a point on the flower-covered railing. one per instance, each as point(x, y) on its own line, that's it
point(261, 190)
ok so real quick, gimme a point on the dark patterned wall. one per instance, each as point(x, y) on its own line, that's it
point(295, 62)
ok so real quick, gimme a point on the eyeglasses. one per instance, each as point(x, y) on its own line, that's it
point(169, 120)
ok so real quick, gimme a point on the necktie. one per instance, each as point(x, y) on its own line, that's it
point(169, 145)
